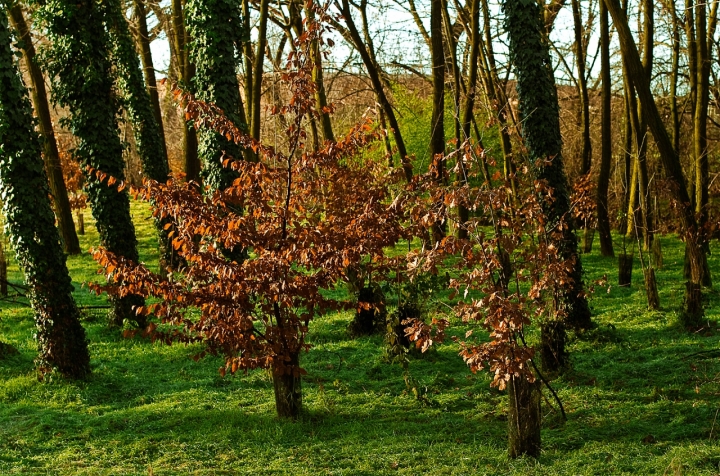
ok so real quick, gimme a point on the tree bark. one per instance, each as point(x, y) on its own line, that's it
point(287, 383)
point(606, 244)
point(524, 417)
point(63, 212)
point(437, 122)
point(143, 41)
point(191, 162)
point(539, 112)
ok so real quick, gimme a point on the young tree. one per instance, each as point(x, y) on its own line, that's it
point(31, 225)
point(304, 223)
point(78, 63)
point(606, 244)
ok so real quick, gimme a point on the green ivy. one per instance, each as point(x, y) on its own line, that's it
point(215, 28)
point(30, 222)
point(540, 118)
point(78, 63)
point(135, 98)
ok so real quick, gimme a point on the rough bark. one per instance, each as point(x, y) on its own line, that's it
point(524, 417)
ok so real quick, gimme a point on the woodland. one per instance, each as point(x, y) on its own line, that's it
point(359, 237)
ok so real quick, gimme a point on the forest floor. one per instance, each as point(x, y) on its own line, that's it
point(642, 397)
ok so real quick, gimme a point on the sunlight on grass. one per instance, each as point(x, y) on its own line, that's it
point(642, 398)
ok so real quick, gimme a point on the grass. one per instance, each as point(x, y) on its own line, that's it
point(641, 398)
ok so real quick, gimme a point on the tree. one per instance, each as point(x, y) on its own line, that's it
point(437, 122)
point(304, 223)
point(63, 212)
point(143, 41)
point(78, 63)
point(31, 225)
point(539, 116)
point(149, 140)
point(355, 39)
point(693, 310)
point(186, 69)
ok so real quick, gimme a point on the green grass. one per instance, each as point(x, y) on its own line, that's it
point(640, 398)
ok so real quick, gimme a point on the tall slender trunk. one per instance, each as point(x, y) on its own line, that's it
point(586, 154)
point(191, 162)
point(63, 213)
point(674, 114)
point(143, 41)
point(606, 244)
point(258, 70)
point(467, 115)
point(437, 123)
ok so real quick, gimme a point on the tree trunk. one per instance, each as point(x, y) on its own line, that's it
point(258, 71)
point(467, 114)
point(191, 162)
point(437, 123)
point(552, 349)
point(586, 155)
point(288, 388)
point(539, 111)
point(24, 187)
point(606, 244)
point(83, 82)
point(143, 42)
point(320, 95)
point(524, 418)
point(61, 203)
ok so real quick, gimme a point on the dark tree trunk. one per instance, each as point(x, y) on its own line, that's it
point(287, 383)
point(437, 123)
point(24, 187)
point(606, 244)
point(539, 111)
point(552, 349)
point(524, 417)
point(61, 203)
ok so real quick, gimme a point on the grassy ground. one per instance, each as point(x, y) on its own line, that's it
point(642, 398)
